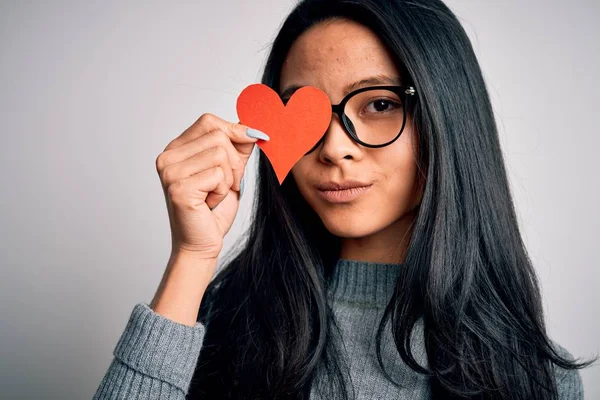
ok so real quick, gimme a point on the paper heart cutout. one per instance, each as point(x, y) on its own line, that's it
point(294, 128)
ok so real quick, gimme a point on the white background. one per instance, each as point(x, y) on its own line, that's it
point(91, 93)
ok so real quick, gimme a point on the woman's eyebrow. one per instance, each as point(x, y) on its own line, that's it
point(373, 80)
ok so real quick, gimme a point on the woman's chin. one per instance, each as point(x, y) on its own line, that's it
point(348, 228)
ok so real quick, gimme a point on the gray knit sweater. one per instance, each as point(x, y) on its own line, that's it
point(155, 357)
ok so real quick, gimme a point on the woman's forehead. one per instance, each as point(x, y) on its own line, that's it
point(335, 53)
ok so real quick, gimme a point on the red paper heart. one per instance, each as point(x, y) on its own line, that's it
point(294, 128)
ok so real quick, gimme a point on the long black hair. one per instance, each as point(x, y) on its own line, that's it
point(270, 332)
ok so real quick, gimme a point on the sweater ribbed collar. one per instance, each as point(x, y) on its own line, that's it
point(363, 282)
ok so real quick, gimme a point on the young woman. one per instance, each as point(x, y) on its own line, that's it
point(388, 265)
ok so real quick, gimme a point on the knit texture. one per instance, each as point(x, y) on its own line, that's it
point(155, 357)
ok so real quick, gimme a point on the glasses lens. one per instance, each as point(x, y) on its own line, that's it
point(376, 115)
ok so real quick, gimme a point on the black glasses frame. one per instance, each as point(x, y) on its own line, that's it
point(408, 91)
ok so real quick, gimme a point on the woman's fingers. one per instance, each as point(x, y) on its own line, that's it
point(208, 123)
point(211, 157)
point(210, 131)
point(207, 186)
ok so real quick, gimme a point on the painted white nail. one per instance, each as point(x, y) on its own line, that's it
point(256, 134)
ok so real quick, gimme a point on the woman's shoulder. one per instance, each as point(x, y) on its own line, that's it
point(569, 382)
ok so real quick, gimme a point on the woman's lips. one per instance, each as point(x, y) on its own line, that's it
point(344, 195)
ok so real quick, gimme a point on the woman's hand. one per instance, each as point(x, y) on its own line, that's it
point(200, 172)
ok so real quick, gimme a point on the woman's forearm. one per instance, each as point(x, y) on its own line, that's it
point(182, 287)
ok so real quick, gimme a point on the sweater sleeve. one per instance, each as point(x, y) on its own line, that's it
point(155, 358)
point(569, 382)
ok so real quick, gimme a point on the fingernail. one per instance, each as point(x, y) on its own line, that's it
point(256, 134)
point(242, 187)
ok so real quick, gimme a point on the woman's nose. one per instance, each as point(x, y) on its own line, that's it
point(337, 144)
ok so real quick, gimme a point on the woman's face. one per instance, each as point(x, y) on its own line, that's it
point(331, 56)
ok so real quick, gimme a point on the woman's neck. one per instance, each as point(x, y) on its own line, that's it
point(388, 245)
point(364, 283)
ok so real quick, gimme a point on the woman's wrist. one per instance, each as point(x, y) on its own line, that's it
point(182, 287)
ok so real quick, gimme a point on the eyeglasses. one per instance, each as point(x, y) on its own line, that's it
point(373, 116)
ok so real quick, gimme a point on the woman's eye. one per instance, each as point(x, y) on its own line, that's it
point(381, 105)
